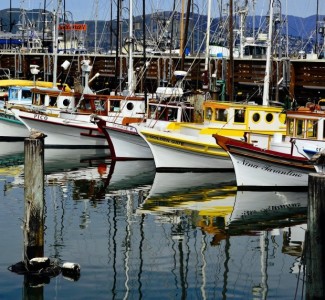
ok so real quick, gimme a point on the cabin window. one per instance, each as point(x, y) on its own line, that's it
point(187, 115)
point(26, 94)
point(300, 128)
point(256, 117)
point(172, 114)
point(115, 106)
point(312, 128)
point(99, 105)
point(85, 104)
point(152, 112)
point(38, 99)
point(290, 127)
point(161, 113)
point(239, 116)
point(42, 99)
point(208, 113)
point(221, 115)
point(269, 117)
point(13, 94)
point(52, 101)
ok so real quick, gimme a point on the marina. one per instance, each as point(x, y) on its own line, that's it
point(182, 158)
point(188, 235)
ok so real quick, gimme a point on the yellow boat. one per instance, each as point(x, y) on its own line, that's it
point(182, 145)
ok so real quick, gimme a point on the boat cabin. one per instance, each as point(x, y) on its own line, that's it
point(171, 111)
point(307, 122)
point(120, 109)
point(243, 115)
point(54, 98)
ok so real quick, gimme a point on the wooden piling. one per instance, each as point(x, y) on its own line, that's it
point(315, 237)
point(34, 199)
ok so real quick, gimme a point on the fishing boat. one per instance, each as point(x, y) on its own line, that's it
point(75, 128)
point(16, 92)
point(183, 146)
point(304, 134)
point(169, 105)
point(257, 167)
point(70, 125)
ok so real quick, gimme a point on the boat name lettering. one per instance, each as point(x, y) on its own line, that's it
point(158, 138)
point(319, 149)
point(282, 172)
point(40, 117)
point(270, 169)
point(249, 164)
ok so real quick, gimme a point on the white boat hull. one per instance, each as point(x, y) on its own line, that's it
point(186, 157)
point(126, 143)
point(64, 133)
point(11, 128)
point(254, 173)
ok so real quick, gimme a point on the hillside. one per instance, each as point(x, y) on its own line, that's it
point(301, 30)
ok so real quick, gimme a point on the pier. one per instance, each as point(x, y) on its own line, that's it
point(301, 79)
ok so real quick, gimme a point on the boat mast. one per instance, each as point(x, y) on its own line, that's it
point(55, 42)
point(268, 59)
point(130, 70)
point(96, 21)
point(231, 53)
point(207, 42)
point(181, 43)
point(188, 11)
point(317, 20)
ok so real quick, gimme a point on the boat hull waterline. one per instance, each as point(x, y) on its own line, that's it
point(63, 133)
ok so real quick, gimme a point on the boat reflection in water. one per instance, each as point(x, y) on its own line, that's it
point(139, 234)
point(213, 194)
point(98, 176)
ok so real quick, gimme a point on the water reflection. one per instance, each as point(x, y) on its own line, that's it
point(139, 234)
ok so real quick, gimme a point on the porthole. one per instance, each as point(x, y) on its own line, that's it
point(269, 117)
point(130, 106)
point(66, 102)
point(256, 117)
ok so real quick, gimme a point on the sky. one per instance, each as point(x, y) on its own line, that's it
point(86, 9)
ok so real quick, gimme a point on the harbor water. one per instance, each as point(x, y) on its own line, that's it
point(138, 234)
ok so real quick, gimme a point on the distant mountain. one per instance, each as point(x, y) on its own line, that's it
point(299, 28)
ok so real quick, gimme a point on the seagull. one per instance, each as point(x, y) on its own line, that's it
point(35, 134)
